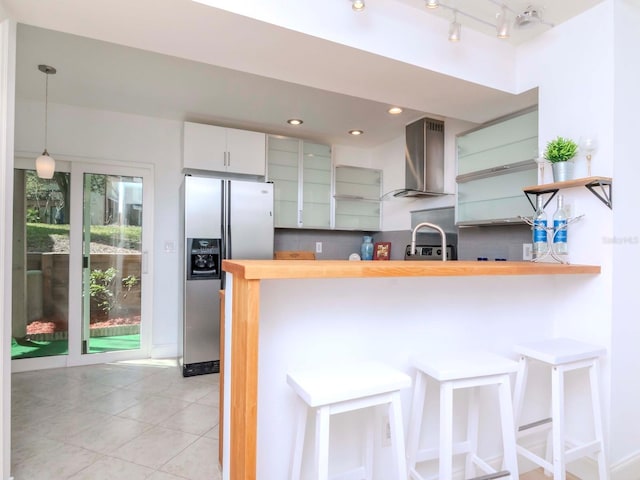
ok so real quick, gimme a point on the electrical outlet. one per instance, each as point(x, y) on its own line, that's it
point(386, 431)
point(527, 253)
point(318, 247)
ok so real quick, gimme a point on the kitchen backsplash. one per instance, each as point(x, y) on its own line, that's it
point(491, 242)
point(336, 245)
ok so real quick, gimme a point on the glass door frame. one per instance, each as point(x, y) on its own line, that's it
point(75, 356)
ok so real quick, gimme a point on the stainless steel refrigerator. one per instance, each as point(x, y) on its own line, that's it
point(222, 219)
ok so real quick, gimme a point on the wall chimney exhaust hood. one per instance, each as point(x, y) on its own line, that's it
point(424, 159)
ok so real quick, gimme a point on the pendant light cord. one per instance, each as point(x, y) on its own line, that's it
point(46, 110)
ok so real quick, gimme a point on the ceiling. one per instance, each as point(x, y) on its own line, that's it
point(181, 60)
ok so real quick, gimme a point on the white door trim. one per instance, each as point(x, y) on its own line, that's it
point(7, 115)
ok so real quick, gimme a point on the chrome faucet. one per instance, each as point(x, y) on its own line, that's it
point(435, 227)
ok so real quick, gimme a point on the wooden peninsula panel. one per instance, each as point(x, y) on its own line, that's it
point(247, 275)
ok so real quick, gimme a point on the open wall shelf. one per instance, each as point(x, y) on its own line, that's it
point(599, 186)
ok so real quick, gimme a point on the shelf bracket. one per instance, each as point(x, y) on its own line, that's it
point(605, 194)
point(552, 191)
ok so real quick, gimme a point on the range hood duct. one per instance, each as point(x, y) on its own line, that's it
point(424, 157)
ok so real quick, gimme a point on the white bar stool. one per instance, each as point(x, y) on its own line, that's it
point(455, 371)
point(330, 391)
point(562, 355)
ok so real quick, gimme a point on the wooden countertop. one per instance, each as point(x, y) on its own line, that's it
point(274, 269)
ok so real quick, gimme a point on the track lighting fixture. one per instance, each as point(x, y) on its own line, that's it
point(531, 16)
point(455, 29)
point(45, 165)
point(357, 5)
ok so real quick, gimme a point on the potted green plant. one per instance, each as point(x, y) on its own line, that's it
point(559, 152)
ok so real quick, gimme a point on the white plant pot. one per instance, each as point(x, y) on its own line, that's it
point(562, 171)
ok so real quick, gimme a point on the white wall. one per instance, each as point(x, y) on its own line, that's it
point(358, 157)
point(84, 134)
point(625, 332)
point(587, 71)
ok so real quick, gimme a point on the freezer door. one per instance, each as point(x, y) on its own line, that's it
point(250, 220)
point(203, 207)
point(201, 335)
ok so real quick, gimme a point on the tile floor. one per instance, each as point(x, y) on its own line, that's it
point(133, 420)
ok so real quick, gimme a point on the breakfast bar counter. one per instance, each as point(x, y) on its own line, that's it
point(270, 269)
point(281, 314)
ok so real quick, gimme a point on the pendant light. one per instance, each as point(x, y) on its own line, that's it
point(45, 165)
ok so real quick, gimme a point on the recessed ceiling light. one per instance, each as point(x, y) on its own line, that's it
point(355, 132)
point(295, 121)
point(395, 110)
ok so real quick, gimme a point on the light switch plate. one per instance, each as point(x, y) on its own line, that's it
point(527, 251)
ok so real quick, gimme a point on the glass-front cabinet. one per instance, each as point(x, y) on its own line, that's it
point(357, 197)
point(495, 161)
point(301, 174)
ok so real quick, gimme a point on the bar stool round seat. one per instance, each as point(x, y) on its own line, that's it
point(333, 390)
point(457, 371)
point(562, 355)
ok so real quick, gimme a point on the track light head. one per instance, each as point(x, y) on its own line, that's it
point(357, 5)
point(502, 27)
point(455, 29)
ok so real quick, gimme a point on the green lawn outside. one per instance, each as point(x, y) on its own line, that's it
point(41, 237)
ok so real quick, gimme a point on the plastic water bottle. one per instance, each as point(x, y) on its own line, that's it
point(540, 245)
point(560, 246)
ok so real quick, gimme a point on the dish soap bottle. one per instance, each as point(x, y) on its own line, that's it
point(540, 245)
point(560, 247)
point(366, 249)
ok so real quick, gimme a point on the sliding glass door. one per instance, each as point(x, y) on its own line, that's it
point(81, 283)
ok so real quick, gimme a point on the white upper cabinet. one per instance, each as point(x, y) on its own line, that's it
point(221, 149)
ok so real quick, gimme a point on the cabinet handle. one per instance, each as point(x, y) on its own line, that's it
point(501, 167)
point(228, 159)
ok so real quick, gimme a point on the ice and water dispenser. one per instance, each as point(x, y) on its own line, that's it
point(204, 258)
